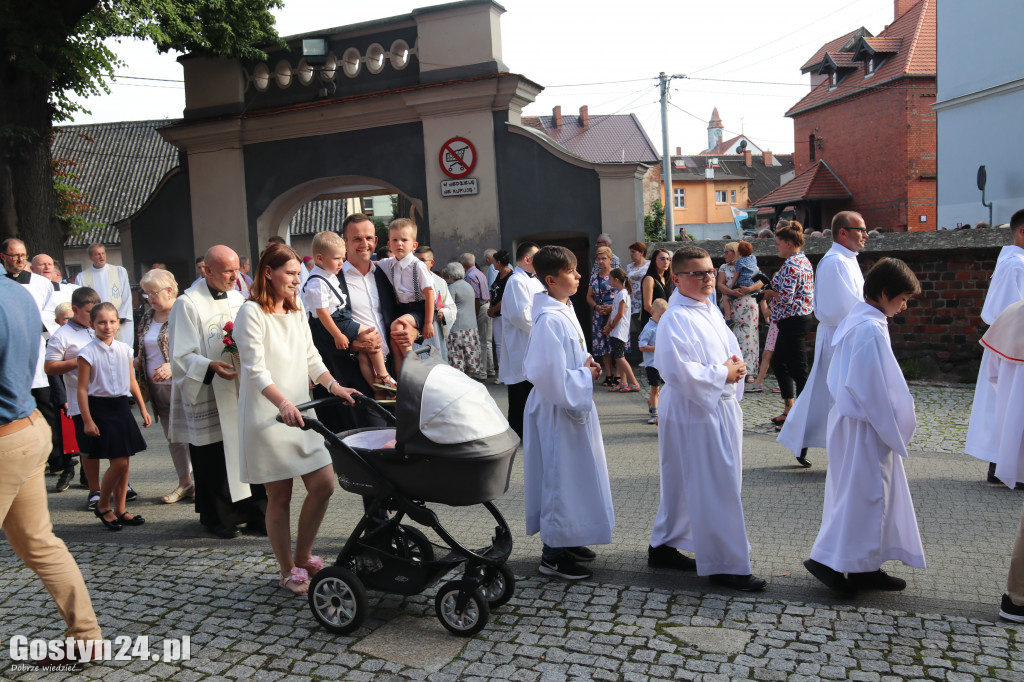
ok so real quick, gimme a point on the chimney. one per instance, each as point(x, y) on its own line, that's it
point(679, 151)
point(901, 7)
point(767, 157)
point(556, 116)
point(584, 116)
point(748, 158)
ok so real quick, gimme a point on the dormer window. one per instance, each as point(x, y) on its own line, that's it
point(870, 65)
point(833, 79)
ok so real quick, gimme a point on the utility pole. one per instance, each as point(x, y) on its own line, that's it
point(666, 157)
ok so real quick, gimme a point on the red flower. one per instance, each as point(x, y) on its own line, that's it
point(227, 341)
point(229, 327)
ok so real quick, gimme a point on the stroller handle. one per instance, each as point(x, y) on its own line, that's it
point(360, 400)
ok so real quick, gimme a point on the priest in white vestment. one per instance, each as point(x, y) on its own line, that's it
point(517, 320)
point(838, 286)
point(1005, 342)
point(566, 488)
point(204, 399)
point(868, 516)
point(44, 266)
point(700, 433)
point(1007, 287)
point(111, 283)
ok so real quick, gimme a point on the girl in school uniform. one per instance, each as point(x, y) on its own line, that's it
point(105, 378)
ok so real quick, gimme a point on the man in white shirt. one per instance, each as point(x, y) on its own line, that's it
point(838, 287)
point(517, 320)
point(111, 283)
point(15, 259)
point(1007, 287)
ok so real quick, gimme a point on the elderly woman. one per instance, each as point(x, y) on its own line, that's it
point(791, 299)
point(742, 309)
point(152, 364)
point(463, 336)
point(271, 322)
point(599, 297)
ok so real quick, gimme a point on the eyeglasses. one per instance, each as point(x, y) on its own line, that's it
point(697, 274)
point(16, 256)
point(856, 229)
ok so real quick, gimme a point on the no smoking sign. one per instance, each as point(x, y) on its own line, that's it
point(457, 157)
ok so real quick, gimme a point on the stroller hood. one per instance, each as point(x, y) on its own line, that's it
point(441, 410)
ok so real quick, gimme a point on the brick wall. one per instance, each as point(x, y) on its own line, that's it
point(942, 327)
point(879, 142)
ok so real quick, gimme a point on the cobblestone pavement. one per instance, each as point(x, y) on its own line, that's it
point(166, 579)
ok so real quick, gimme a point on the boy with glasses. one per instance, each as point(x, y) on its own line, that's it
point(700, 433)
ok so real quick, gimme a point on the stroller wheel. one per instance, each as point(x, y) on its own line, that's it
point(338, 599)
point(473, 616)
point(499, 586)
point(414, 544)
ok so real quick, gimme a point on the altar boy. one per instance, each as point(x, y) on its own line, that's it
point(700, 433)
point(568, 496)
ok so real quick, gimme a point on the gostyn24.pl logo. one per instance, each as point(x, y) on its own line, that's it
point(121, 648)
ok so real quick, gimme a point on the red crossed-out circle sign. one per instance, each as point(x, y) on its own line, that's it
point(457, 157)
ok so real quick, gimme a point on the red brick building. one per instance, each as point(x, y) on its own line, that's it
point(865, 136)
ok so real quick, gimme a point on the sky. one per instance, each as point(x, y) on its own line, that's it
point(741, 56)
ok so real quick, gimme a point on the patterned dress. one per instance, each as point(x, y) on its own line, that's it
point(744, 317)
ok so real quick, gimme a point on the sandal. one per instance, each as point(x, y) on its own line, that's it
point(629, 388)
point(607, 381)
point(754, 387)
point(297, 582)
point(179, 493)
point(314, 565)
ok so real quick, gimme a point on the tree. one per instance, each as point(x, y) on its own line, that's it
point(654, 223)
point(51, 50)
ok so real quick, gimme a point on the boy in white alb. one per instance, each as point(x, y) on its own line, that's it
point(330, 316)
point(62, 360)
point(618, 329)
point(414, 287)
point(567, 493)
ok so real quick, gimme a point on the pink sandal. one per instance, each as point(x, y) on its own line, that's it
point(314, 565)
point(297, 581)
point(629, 388)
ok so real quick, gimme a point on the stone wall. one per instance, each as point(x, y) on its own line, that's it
point(941, 328)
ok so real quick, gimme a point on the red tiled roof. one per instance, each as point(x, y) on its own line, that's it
point(817, 182)
point(916, 57)
point(884, 45)
point(608, 139)
point(832, 46)
point(840, 60)
point(725, 147)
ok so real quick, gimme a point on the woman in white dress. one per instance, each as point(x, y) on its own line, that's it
point(277, 355)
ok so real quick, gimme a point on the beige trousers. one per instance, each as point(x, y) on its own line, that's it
point(26, 521)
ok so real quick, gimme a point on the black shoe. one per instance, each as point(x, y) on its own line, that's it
point(564, 567)
point(135, 520)
point(64, 482)
point(877, 580)
point(111, 525)
point(664, 556)
point(226, 532)
point(833, 579)
point(1010, 611)
point(92, 500)
point(581, 554)
point(743, 583)
point(256, 528)
point(130, 495)
point(992, 478)
point(802, 459)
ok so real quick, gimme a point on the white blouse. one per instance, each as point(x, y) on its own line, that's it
point(111, 368)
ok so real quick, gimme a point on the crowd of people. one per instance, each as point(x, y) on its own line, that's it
point(207, 360)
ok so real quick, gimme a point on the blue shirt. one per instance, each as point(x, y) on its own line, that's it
point(20, 323)
point(746, 268)
point(647, 336)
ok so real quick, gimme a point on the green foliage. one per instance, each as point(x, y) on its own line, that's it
point(654, 223)
point(380, 228)
point(72, 208)
point(62, 43)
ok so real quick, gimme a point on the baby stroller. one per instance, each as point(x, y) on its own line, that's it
point(452, 446)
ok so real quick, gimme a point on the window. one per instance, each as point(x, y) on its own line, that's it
point(732, 196)
point(721, 196)
point(367, 206)
point(811, 145)
point(679, 200)
point(833, 79)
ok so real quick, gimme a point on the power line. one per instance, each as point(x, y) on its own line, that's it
point(581, 85)
point(146, 78)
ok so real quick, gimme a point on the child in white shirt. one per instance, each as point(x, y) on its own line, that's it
point(618, 331)
point(414, 287)
point(330, 318)
point(106, 376)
